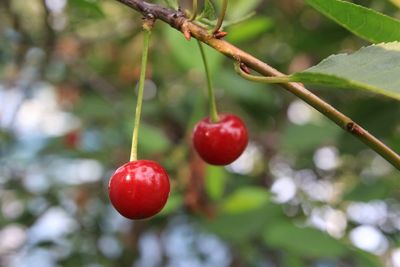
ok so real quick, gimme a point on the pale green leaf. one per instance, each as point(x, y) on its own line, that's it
point(215, 182)
point(374, 68)
point(172, 4)
point(173, 203)
point(208, 11)
point(245, 199)
point(93, 8)
point(363, 22)
point(239, 8)
point(152, 140)
point(249, 29)
point(187, 54)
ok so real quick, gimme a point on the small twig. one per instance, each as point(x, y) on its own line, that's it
point(194, 10)
point(221, 16)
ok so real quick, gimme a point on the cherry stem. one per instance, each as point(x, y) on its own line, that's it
point(194, 10)
point(221, 16)
point(213, 106)
point(135, 134)
point(260, 79)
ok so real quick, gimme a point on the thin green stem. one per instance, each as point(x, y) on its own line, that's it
point(194, 10)
point(213, 106)
point(261, 79)
point(221, 16)
point(135, 133)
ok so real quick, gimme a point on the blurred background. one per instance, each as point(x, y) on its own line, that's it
point(304, 193)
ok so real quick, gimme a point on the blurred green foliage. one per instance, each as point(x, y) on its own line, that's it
point(305, 193)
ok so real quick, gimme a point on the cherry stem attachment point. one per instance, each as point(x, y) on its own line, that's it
point(147, 26)
point(194, 10)
point(221, 16)
point(213, 106)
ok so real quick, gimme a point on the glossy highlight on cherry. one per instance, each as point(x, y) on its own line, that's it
point(222, 142)
point(139, 189)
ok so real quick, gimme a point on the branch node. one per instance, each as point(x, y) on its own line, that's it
point(244, 68)
point(186, 31)
point(148, 21)
point(219, 34)
point(354, 128)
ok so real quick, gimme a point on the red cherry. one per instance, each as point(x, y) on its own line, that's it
point(139, 189)
point(222, 142)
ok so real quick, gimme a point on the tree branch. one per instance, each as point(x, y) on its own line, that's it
point(177, 20)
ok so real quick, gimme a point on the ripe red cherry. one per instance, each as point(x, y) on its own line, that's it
point(139, 189)
point(222, 142)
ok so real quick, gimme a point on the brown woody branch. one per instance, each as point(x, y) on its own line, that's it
point(178, 20)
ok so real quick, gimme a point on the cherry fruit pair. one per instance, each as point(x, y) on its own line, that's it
point(139, 189)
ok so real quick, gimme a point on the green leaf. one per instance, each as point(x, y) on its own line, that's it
point(363, 22)
point(239, 8)
point(243, 226)
point(300, 138)
point(92, 7)
point(215, 182)
point(152, 140)
point(228, 23)
point(367, 192)
point(173, 203)
point(365, 259)
point(308, 242)
point(249, 29)
point(187, 54)
point(208, 11)
point(172, 4)
point(245, 199)
point(292, 260)
point(374, 68)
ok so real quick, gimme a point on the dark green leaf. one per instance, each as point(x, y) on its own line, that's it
point(243, 226)
point(298, 138)
point(364, 22)
point(368, 192)
point(308, 242)
point(365, 259)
